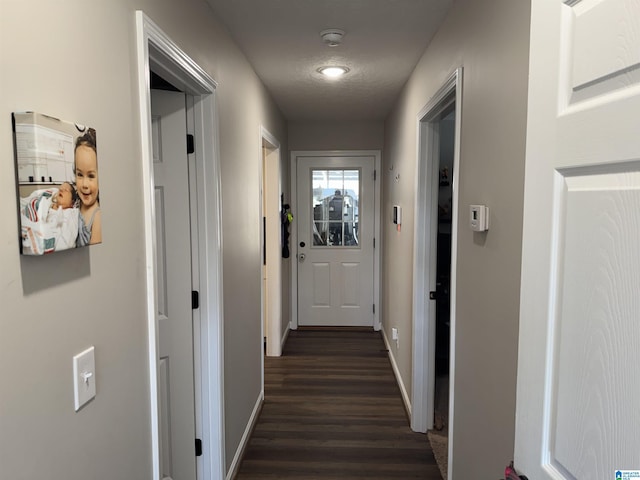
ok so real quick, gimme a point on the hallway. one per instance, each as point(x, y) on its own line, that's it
point(333, 410)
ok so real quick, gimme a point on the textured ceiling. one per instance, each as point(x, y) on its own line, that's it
point(384, 40)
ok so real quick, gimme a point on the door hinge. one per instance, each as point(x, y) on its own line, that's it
point(198, 447)
point(195, 299)
point(375, 175)
point(374, 308)
point(191, 145)
point(374, 242)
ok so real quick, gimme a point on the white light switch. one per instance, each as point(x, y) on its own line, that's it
point(84, 377)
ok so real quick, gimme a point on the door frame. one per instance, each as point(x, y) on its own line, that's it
point(156, 51)
point(425, 256)
point(272, 291)
point(377, 252)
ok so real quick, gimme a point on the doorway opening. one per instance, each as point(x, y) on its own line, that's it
point(446, 140)
point(157, 53)
point(435, 260)
point(177, 262)
point(272, 321)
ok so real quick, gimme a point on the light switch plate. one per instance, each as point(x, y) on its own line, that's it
point(84, 377)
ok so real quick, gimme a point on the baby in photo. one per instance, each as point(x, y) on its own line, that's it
point(49, 219)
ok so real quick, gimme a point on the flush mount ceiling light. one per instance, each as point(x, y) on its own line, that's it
point(332, 36)
point(333, 72)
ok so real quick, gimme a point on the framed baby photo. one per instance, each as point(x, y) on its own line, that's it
point(56, 183)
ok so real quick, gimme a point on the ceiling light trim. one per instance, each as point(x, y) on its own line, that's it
point(333, 71)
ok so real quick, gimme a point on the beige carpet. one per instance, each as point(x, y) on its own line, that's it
point(440, 446)
point(438, 436)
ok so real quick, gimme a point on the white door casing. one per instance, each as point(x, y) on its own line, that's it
point(155, 50)
point(173, 251)
point(336, 284)
point(577, 414)
point(425, 256)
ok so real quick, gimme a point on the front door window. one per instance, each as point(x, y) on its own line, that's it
point(335, 195)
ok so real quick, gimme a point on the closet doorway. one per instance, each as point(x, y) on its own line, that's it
point(435, 260)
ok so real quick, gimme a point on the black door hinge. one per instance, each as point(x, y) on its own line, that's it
point(191, 146)
point(198, 447)
point(195, 299)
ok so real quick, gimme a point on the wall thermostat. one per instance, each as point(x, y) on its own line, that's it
point(479, 218)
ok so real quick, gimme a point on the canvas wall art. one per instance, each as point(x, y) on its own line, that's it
point(57, 184)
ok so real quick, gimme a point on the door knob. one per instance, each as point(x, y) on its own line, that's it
point(301, 257)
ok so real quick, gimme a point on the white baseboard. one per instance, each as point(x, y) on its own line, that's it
point(244, 441)
point(396, 372)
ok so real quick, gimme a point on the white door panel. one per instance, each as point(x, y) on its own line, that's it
point(579, 349)
point(173, 249)
point(335, 265)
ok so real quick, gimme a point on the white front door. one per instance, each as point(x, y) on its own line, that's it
point(173, 247)
point(578, 397)
point(335, 230)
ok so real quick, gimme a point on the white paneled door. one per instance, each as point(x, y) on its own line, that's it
point(173, 248)
point(335, 229)
point(578, 398)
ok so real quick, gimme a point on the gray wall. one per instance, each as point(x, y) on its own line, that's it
point(489, 39)
point(338, 135)
point(76, 60)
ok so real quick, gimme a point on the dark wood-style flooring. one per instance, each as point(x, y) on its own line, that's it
point(333, 410)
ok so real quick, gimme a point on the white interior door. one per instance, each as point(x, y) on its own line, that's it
point(173, 247)
point(578, 414)
point(335, 230)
